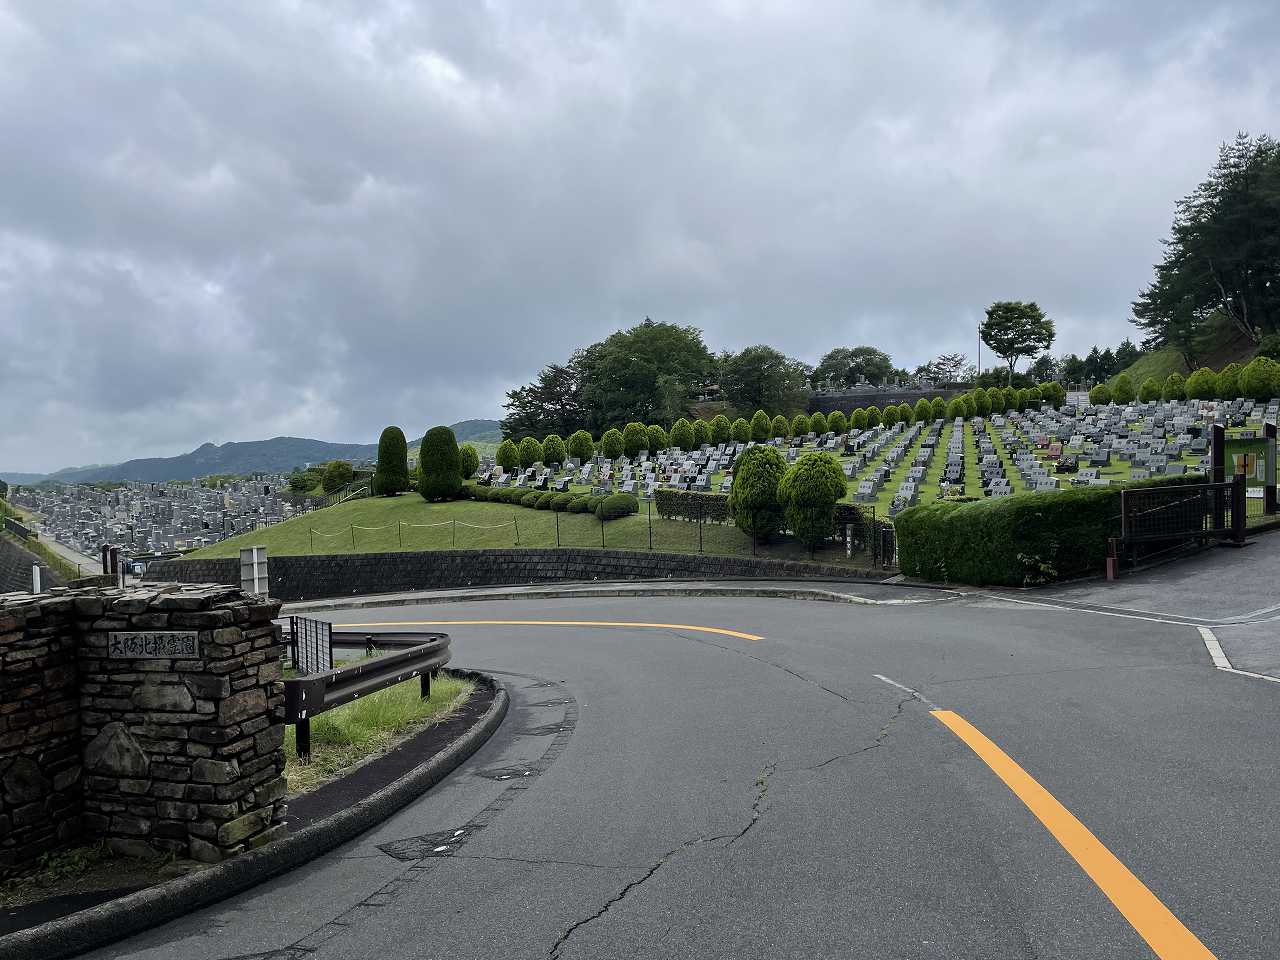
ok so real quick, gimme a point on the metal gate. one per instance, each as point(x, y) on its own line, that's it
point(310, 645)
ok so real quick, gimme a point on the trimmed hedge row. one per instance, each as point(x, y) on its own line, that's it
point(609, 507)
point(691, 505)
point(1017, 541)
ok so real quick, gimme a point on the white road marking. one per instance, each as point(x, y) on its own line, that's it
point(1250, 673)
point(903, 687)
point(1215, 649)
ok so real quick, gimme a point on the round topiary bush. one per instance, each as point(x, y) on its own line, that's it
point(701, 434)
point(635, 437)
point(818, 423)
point(779, 428)
point(1260, 379)
point(545, 501)
point(874, 418)
point(753, 497)
point(721, 429)
point(837, 422)
point(1100, 395)
point(441, 465)
point(1150, 390)
point(616, 506)
point(580, 504)
point(970, 405)
point(681, 434)
point(1228, 382)
point(470, 458)
point(392, 474)
point(554, 450)
point(808, 493)
point(530, 452)
point(741, 431)
point(594, 501)
point(890, 415)
point(508, 456)
point(531, 499)
point(923, 411)
point(938, 408)
point(1175, 388)
point(581, 447)
point(955, 409)
point(560, 502)
point(612, 445)
point(799, 425)
point(658, 439)
point(981, 403)
point(858, 419)
point(1201, 385)
point(761, 426)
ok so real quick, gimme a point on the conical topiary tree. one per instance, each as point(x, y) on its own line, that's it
point(440, 465)
point(612, 444)
point(837, 422)
point(1229, 382)
point(858, 419)
point(808, 493)
point(635, 437)
point(701, 433)
point(392, 475)
point(1175, 388)
point(581, 447)
point(469, 456)
point(658, 438)
point(507, 456)
point(890, 415)
point(681, 434)
point(1201, 385)
point(753, 496)
point(1260, 379)
point(721, 429)
point(530, 452)
point(938, 406)
point(924, 410)
point(799, 425)
point(761, 426)
point(1150, 390)
point(741, 431)
point(553, 449)
point(779, 427)
point(818, 423)
point(1123, 392)
point(874, 418)
point(1100, 395)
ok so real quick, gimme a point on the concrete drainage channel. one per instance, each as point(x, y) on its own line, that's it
point(150, 907)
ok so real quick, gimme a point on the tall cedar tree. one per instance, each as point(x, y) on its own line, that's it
point(392, 474)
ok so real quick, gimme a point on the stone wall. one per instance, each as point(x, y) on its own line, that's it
point(15, 568)
point(337, 575)
point(155, 746)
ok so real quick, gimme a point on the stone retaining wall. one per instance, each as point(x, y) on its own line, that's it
point(15, 568)
point(338, 575)
point(151, 748)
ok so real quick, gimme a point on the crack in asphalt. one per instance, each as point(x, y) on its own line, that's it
point(757, 811)
point(769, 663)
point(544, 861)
point(879, 741)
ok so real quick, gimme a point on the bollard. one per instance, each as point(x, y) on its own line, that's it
point(35, 578)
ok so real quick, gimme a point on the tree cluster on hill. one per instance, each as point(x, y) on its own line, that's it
point(1222, 257)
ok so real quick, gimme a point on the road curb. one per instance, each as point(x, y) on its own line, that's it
point(584, 592)
point(106, 923)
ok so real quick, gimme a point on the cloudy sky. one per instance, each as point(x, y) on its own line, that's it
point(228, 221)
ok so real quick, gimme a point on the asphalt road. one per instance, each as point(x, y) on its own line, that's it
point(665, 792)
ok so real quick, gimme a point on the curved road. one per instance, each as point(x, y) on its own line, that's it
point(1062, 784)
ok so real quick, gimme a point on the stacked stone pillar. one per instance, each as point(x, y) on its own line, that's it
point(171, 731)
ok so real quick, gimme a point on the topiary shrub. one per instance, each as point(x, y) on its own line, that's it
point(581, 447)
point(612, 445)
point(808, 493)
point(594, 501)
point(799, 425)
point(905, 414)
point(1260, 379)
point(874, 418)
point(470, 459)
point(1228, 381)
point(530, 452)
point(635, 437)
point(970, 405)
point(753, 497)
point(938, 408)
point(890, 415)
point(858, 419)
point(657, 438)
point(721, 429)
point(554, 450)
point(1269, 347)
point(1201, 385)
point(616, 506)
point(981, 403)
point(1175, 388)
point(760, 426)
point(701, 434)
point(1100, 395)
point(530, 499)
point(741, 431)
point(818, 423)
point(682, 434)
point(545, 501)
point(508, 456)
point(1150, 390)
point(779, 427)
point(560, 502)
point(1016, 541)
point(691, 505)
point(838, 423)
point(392, 475)
point(955, 408)
point(924, 411)
point(580, 504)
point(441, 465)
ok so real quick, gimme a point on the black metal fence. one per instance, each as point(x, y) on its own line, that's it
point(1159, 520)
point(310, 696)
point(309, 645)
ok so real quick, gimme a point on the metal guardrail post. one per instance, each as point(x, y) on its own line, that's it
point(302, 738)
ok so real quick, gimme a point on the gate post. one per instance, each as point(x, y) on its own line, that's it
point(1269, 491)
point(1238, 507)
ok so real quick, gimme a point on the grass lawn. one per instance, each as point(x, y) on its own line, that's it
point(348, 734)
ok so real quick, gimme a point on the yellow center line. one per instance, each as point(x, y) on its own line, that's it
point(552, 623)
point(1149, 917)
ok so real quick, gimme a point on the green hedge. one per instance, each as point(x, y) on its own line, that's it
point(616, 506)
point(1015, 541)
point(691, 505)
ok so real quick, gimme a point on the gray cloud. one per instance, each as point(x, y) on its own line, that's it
point(226, 221)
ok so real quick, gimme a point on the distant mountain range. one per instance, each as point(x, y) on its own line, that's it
point(277, 455)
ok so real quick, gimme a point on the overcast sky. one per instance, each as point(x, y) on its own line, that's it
point(228, 221)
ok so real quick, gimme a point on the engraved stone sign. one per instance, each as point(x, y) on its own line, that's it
point(154, 644)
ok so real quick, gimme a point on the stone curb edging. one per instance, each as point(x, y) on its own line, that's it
point(571, 593)
point(109, 922)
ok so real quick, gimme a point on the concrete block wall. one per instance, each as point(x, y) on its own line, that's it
point(338, 575)
point(159, 749)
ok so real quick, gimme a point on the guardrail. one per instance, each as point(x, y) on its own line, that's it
point(307, 697)
point(20, 530)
